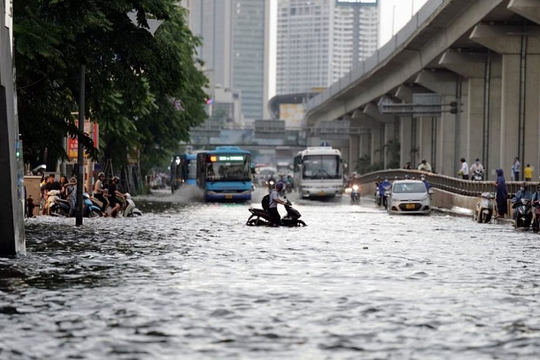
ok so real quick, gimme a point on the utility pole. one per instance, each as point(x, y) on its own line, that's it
point(80, 180)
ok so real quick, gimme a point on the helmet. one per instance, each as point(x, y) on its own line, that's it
point(423, 177)
point(354, 173)
point(101, 174)
point(279, 186)
point(116, 178)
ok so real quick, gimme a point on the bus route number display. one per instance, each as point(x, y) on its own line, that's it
point(228, 158)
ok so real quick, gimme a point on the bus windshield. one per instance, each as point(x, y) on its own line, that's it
point(191, 169)
point(320, 167)
point(228, 167)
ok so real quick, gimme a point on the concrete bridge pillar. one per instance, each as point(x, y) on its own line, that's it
point(520, 85)
point(480, 135)
point(365, 146)
point(389, 135)
point(425, 125)
point(377, 149)
point(405, 138)
point(448, 128)
point(11, 214)
point(354, 150)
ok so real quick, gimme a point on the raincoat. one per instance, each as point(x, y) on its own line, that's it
point(502, 194)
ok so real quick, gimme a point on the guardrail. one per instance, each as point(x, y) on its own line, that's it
point(447, 183)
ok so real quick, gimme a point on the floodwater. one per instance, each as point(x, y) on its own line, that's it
point(191, 281)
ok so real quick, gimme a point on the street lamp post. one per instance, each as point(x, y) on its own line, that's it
point(80, 175)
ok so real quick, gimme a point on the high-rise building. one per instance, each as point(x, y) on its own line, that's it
point(319, 41)
point(235, 35)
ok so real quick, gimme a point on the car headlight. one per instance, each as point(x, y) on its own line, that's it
point(424, 198)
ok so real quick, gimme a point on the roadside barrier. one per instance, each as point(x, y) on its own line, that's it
point(447, 183)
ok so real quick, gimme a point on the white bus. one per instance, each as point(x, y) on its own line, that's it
point(318, 172)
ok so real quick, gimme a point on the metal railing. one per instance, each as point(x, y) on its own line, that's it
point(447, 183)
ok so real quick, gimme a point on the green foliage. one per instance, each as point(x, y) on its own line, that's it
point(393, 151)
point(363, 165)
point(132, 78)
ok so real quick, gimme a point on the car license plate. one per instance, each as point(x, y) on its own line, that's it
point(322, 193)
point(409, 206)
point(228, 196)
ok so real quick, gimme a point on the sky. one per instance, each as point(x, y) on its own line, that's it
point(394, 15)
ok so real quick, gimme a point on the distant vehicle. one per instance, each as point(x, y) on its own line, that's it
point(264, 173)
point(183, 170)
point(225, 174)
point(318, 173)
point(409, 197)
point(283, 167)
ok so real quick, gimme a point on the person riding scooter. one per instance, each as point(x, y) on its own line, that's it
point(535, 201)
point(273, 202)
point(384, 187)
point(522, 193)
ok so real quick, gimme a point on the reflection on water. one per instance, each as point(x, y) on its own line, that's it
point(190, 280)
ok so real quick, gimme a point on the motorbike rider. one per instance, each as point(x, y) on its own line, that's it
point(114, 194)
point(274, 200)
point(535, 200)
point(522, 193)
point(100, 191)
point(271, 180)
point(290, 182)
point(383, 187)
point(423, 178)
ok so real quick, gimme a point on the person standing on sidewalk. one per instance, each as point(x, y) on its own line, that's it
point(516, 169)
point(502, 194)
point(528, 173)
point(464, 172)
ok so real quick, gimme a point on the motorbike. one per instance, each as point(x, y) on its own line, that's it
point(271, 183)
point(523, 218)
point(384, 199)
point(478, 176)
point(288, 187)
point(55, 205)
point(536, 216)
point(378, 199)
point(355, 194)
point(129, 208)
point(90, 209)
point(261, 217)
point(485, 208)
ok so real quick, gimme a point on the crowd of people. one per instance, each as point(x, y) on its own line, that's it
point(108, 193)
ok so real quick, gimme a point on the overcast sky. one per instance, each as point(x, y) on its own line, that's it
point(394, 15)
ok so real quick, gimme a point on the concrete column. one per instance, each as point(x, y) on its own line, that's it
point(11, 214)
point(474, 122)
point(354, 149)
point(425, 139)
point(405, 140)
point(389, 135)
point(520, 113)
point(365, 148)
point(445, 84)
point(376, 146)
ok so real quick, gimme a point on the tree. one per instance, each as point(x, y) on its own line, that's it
point(135, 81)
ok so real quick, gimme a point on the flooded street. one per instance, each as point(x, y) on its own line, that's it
point(191, 281)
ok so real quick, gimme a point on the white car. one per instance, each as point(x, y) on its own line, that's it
point(409, 197)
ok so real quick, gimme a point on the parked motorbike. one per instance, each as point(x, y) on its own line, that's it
point(355, 194)
point(523, 217)
point(478, 176)
point(261, 217)
point(485, 208)
point(55, 205)
point(90, 209)
point(130, 207)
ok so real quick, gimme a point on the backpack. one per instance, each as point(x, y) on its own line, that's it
point(265, 202)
